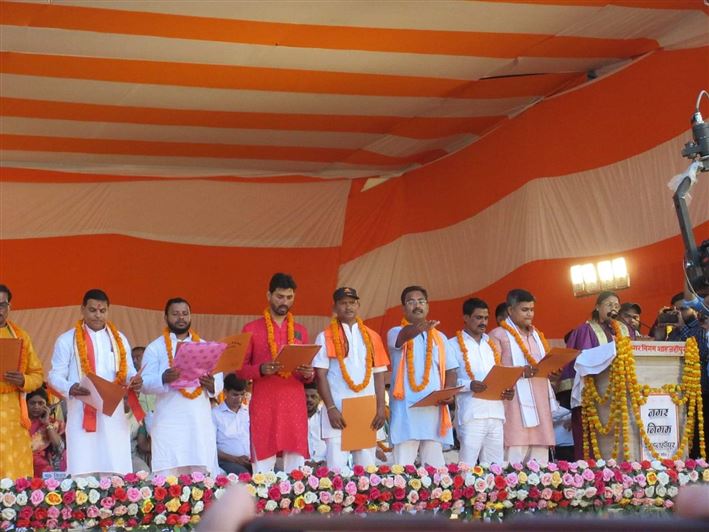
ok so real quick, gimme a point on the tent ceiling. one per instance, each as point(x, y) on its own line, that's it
point(304, 89)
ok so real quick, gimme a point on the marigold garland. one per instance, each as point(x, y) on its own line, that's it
point(410, 361)
point(168, 345)
point(527, 355)
point(290, 323)
point(623, 387)
point(122, 370)
point(6, 387)
point(466, 358)
point(339, 353)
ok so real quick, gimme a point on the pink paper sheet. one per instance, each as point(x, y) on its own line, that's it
point(195, 359)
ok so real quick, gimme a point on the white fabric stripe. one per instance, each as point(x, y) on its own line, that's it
point(107, 45)
point(140, 326)
point(210, 213)
point(628, 200)
point(209, 99)
point(390, 145)
point(452, 15)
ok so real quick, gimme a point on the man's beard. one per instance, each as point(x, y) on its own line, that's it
point(280, 310)
point(180, 330)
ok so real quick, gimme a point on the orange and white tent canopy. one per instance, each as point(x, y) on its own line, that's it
point(196, 147)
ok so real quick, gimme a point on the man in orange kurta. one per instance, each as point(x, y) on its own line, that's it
point(15, 445)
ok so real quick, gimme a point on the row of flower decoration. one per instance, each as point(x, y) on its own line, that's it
point(623, 388)
point(137, 500)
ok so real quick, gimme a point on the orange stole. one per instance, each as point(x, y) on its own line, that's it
point(446, 423)
point(380, 355)
point(89, 411)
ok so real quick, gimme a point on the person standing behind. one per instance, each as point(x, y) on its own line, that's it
point(316, 445)
point(279, 423)
point(350, 363)
point(182, 434)
point(479, 422)
point(96, 444)
point(15, 450)
point(528, 425)
point(419, 366)
point(231, 420)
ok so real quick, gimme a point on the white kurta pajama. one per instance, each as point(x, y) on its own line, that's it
point(183, 435)
point(479, 422)
point(356, 365)
point(107, 450)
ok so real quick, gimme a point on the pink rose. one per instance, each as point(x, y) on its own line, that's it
point(133, 494)
point(588, 474)
point(546, 493)
point(533, 465)
point(51, 484)
point(37, 497)
point(104, 483)
point(496, 469)
point(158, 480)
point(298, 487)
point(108, 502)
point(325, 497)
point(285, 487)
point(551, 466)
point(545, 479)
point(117, 482)
point(578, 480)
point(375, 479)
point(52, 524)
point(568, 479)
point(517, 466)
point(313, 482)
point(542, 504)
point(350, 488)
point(92, 512)
point(53, 512)
point(512, 480)
point(569, 493)
point(197, 476)
point(66, 513)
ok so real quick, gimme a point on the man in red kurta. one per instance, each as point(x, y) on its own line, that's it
point(279, 419)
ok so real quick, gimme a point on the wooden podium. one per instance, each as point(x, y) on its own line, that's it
point(656, 364)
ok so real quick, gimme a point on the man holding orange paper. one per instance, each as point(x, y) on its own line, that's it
point(350, 355)
point(16, 456)
point(95, 443)
point(419, 366)
point(479, 422)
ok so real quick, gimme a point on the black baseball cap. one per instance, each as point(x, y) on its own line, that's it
point(343, 292)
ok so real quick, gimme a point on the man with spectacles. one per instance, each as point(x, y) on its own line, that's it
point(419, 366)
point(16, 455)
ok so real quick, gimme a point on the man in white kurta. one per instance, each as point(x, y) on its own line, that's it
point(316, 445)
point(183, 437)
point(479, 422)
point(426, 429)
point(348, 330)
point(105, 450)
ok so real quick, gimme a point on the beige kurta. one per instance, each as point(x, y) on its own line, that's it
point(515, 432)
point(15, 446)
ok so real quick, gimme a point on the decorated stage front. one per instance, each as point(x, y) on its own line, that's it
point(137, 500)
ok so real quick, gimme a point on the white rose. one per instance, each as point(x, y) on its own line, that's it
point(160, 519)
point(650, 491)
point(186, 493)
point(426, 482)
point(672, 491)
point(91, 523)
point(262, 492)
point(683, 479)
point(92, 482)
point(522, 494)
point(94, 496)
point(663, 478)
point(6, 483)
point(600, 463)
point(270, 505)
point(197, 507)
point(66, 484)
point(628, 493)
point(660, 491)
point(507, 503)
point(218, 493)
point(8, 514)
point(533, 479)
point(270, 477)
point(310, 497)
point(132, 509)
point(81, 483)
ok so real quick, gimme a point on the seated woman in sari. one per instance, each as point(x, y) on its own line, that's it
point(47, 433)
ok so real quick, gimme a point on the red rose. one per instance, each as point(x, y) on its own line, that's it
point(105, 523)
point(446, 506)
point(245, 478)
point(361, 498)
point(69, 497)
point(385, 496)
point(618, 476)
point(625, 467)
point(500, 482)
point(120, 494)
point(452, 468)
point(25, 513)
point(41, 514)
point(185, 480)
point(399, 493)
point(132, 522)
point(458, 481)
point(534, 493)
point(36, 524)
point(207, 496)
point(147, 519)
point(672, 474)
point(36, 483)
point(160, 493)
point(424, 494)
point(410, 469)
point(358, 470)
point(131, 478)
point(274, 493)
point(457, 493)
point(646, 464)
point(690, 463)
point(434, 503)
point(501, 495)
point(24, 523)
point(397, 506)
point(556, 495)
point(564, 503)
point(21, 484)
point(322, 471)
point(78, 515)
point(384, 469)
point(184, 508)
point(221, 481)
point(160, 508)
point(374, 494)
point(260, 505)
point(297, 474)
point(309, 508)
point(360, 509)
point(469, 492)
point(337, 483)
point(431, 470)
point(563, 465)
point(172, 520)
point(175, 491)
point(591, 463)
point(337, 508)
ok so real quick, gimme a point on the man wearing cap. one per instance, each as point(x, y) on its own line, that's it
point(351, 363)
point(629, 314)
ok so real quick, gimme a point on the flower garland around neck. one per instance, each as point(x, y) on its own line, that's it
point(339, 353)
point(24, 357)
point(290, 322)
point(168, 345)
point(464, 350)
point(520, 343)
point(410, 361)
point(122, 370)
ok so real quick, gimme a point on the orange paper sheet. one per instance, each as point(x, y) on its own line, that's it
point(433, 398)
point(358, 413)
point(105, 395)
point(292, 356)
point(10, 349)
point(555, 359)
point(232, 358)
point(499, 379)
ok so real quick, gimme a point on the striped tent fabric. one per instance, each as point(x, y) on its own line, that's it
point(194, 148)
